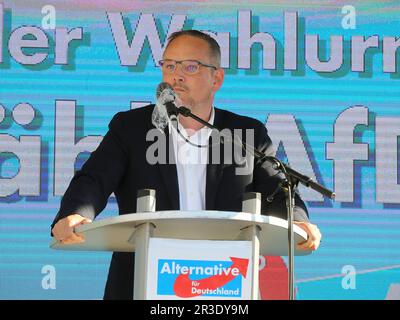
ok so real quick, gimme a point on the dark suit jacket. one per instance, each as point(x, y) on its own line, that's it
point(119, 165)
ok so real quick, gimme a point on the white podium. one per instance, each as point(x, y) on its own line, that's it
point(131, 233)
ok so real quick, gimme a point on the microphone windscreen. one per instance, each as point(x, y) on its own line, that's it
point(161, 87)
point(165, 95)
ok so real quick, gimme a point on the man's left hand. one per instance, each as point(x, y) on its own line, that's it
point(314, 236)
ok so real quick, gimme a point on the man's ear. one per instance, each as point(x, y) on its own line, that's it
point(219, 75)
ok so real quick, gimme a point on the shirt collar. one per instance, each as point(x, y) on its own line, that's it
point(200, 131)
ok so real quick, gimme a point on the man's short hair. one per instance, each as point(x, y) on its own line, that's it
point(215, 50)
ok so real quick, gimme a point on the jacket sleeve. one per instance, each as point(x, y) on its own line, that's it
point(266, 180)
point(90, 188)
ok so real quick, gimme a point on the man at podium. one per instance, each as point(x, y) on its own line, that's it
point(191, 66)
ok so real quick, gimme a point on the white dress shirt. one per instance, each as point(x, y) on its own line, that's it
point(191, 165)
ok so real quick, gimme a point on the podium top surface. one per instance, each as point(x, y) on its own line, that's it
point(112, 234)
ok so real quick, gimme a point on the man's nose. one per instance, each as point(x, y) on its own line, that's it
point(178, 73)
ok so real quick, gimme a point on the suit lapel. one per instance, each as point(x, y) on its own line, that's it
point(169, 173)
point(214, 170)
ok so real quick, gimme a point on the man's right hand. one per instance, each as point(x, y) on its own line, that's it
point(63, 230)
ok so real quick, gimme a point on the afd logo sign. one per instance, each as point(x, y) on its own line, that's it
point(192, 278)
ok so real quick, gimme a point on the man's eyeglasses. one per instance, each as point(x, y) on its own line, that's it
point(187, 66)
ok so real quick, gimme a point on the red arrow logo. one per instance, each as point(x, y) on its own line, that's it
point(183, 285)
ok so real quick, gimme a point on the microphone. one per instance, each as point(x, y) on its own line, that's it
point(165, 109)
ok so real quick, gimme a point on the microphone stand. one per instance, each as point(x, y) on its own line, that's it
point(292, 179)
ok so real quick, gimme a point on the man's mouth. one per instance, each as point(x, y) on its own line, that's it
point(179, 89)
